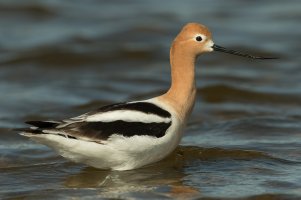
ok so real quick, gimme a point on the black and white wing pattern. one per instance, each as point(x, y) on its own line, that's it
point(126, 119)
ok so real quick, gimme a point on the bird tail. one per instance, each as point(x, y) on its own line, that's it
point(43, 124)
point(28, 132)
point(37, 127)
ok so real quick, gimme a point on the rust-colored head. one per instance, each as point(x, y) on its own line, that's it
point(196, 38)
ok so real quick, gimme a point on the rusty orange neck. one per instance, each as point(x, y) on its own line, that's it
point(181, 95)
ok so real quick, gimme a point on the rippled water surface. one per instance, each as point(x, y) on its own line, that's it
point(59, 59)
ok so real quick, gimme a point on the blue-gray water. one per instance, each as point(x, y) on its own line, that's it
point(59, 59)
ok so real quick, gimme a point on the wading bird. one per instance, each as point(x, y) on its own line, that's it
point(130, 135)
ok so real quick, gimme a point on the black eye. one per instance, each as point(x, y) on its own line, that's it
point(199, 38)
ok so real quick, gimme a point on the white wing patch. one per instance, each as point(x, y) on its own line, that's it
point(144, 112)
point(127, 116)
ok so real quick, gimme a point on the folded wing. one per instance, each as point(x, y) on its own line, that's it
point(126, 119)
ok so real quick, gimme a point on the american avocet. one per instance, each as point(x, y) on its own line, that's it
point(130, 135)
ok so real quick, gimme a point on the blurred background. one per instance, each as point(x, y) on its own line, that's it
point(59, 59)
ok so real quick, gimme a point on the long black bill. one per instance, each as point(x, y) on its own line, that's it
point(223, 49)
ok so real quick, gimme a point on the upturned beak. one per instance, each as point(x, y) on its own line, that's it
point(238, 53)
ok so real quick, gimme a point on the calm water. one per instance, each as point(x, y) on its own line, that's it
point(59, 59)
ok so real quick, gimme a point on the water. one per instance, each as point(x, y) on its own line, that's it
point(59, 59)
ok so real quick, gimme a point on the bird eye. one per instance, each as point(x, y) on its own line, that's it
point(198, 38)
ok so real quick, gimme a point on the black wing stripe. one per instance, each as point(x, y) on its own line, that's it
point(103, 130)
point(144, 107)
